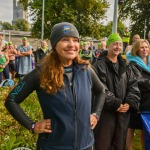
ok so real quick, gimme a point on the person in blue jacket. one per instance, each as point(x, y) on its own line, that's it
point(65, 85)
point(139, 60)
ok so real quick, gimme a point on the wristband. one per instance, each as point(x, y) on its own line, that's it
point(32, 127)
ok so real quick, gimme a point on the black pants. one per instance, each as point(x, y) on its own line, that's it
point(110, 132)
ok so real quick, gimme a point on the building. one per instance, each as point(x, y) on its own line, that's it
point(18, 12)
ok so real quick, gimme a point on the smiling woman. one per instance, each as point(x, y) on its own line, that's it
point(122, 94)
point(64, 84)
point(67, 49)
point(139, 59)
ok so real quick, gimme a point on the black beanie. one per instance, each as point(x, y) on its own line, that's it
point(61, 30)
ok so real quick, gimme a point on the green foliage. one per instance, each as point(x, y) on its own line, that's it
point(22, 25)
point(25, 4)
point(85, 15)
point(12, 134)
point(6, 26)
point(107, 30)
point(138, 11)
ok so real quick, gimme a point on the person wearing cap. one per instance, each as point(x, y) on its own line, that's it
point(122, 95)
point(64, 84)
point(11, 54)
point(24, 54)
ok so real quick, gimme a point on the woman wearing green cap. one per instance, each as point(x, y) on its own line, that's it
point(122, 95)
point(24, 56)
point(64, 85)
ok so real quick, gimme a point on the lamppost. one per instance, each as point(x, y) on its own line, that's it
point(115, 18)
point(114, 26)
point(145, 28)
point(42, 35)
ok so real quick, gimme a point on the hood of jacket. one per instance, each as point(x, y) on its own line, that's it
point(138, 61)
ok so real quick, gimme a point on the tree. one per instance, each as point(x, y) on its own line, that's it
point(107, 29)
point(85, 15)
point(6, 26)
point(22, 25)
point(24, 3)
point(138, 11)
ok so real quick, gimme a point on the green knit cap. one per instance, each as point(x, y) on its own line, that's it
point(114, 37)
point(10, 43)
point(24, 39)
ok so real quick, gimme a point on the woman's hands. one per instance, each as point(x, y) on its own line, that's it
point(123, 108)
point(43, 126)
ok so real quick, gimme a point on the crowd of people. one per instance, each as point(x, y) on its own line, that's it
point(18, 61)
point(23, 59)
point(91, 98)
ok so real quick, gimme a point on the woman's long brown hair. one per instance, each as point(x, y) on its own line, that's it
point(52, 72)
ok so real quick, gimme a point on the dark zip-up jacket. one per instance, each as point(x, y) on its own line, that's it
point(143, 78)
point(68, 110)
point(39, 54)
point(122, 87)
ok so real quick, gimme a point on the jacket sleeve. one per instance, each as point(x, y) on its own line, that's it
point(111, 102)
point(19, 94)
point(143, 82)
point(98, 93)
point(133, 94)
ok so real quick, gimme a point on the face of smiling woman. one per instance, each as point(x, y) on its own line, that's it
point(67, 49)
point(115, 49)
point(143, 50)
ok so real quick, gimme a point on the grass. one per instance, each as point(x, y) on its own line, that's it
point(13, 135)
point(137, 143)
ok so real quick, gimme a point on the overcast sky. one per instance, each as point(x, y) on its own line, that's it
point(6, 11)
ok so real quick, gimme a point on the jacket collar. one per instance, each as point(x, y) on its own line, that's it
point(122, 62)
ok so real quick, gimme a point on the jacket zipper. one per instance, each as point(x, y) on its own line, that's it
point(75, 118)
point(75, 114)
point(73, 95)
